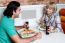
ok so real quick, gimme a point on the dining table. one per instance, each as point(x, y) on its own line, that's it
point(57, 37)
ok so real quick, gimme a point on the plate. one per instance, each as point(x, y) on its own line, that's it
point(27, 34)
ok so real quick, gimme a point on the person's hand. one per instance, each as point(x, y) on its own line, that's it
point(52, 29)
point(38, 36)
point(49, 30)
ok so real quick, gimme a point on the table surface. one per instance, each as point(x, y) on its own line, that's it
point(57, 37)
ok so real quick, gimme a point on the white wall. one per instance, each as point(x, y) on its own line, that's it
point(37, 13)
point(1, 12)
point(19, 21)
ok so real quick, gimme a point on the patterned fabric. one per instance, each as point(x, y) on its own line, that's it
point(53, 20)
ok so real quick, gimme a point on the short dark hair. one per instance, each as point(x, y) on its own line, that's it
point(12, 6)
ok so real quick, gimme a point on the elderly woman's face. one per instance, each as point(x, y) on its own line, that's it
point(50, 11)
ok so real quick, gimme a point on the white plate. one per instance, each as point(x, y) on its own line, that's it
point(28, 35)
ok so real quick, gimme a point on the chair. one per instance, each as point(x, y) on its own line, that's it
point(62, 14)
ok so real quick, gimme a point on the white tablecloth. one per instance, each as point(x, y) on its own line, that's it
point(52, 38)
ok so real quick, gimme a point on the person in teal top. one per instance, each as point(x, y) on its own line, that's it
point(7, 29)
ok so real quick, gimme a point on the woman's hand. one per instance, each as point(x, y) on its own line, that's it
point(52, 29)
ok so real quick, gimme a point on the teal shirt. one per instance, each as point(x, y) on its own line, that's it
point(7, 30)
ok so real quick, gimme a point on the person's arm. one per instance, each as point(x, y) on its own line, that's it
point(58, 23)
point(28, 40)
point(11, 31)
point(17, 39)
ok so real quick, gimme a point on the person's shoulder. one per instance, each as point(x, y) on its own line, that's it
point(5, 20)
point(56, 14)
